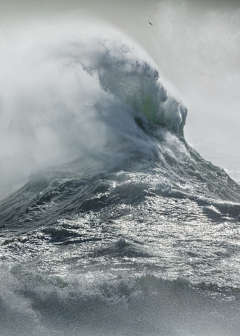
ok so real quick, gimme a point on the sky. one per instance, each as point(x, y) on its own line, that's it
point(196, 46)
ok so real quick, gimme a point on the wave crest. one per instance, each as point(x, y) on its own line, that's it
point(132, 79)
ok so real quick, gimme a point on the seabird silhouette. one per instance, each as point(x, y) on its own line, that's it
point(150, 23)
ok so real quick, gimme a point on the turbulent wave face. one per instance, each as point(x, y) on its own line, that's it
point(122, 227)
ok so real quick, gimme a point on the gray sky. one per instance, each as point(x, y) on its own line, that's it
point(196, 46)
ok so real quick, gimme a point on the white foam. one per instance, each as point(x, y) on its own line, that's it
point(63, 85)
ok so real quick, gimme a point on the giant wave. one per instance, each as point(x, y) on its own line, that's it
point(122, 227)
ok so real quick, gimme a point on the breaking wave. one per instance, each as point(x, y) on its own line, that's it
point(121, 228)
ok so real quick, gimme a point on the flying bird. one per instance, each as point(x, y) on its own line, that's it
point(150, 23)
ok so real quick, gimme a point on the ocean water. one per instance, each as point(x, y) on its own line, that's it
point(111, 224)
